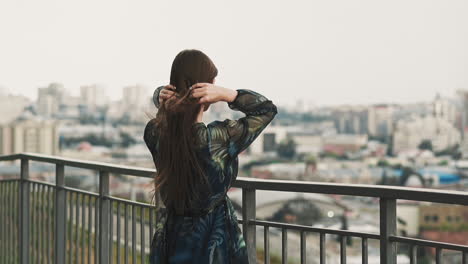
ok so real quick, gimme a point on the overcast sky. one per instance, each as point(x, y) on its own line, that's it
point(324, 52)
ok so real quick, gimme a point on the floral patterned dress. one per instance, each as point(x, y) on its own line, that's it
point(212, 235)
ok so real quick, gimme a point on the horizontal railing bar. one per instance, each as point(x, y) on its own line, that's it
point(70, 189)
point(378, 191)
point(94, 194)
point(84, 164)
point(11, 157)
point(315, 229)
point(90, 193)
point(428, 243)
point(112, 198)
point(365, 190)
point(10, 180)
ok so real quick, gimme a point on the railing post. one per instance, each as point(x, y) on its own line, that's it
point(60, 214)
point(104, 213)
point(249, 229)
point(24, 213)
point(388, 252)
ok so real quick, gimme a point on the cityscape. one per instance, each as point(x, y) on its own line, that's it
point(421, 144)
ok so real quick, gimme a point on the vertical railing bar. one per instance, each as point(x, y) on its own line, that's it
point(90, 226)
point(42, 222)
point(2, 220)
point(12, 219)
point(126, 233)
point(24, 212)
point(60, 214)
point(83, 227)
point(249, 229)
point(33, 237)
point(111, 232)
point(5, 213)
point(142, 233)
point(322, 248)
point(104, 213)
point(49, 223)
point(342, 249)
point(151, 212)
point(96, 230)
point(438, 256)
point(266, 244)
point(37, 221)
point(284, 246)
point(464, 257)
point(77, 223)
point(364, 250)
point(8, 221)
point(387, 229)
point(134, 234)
point(303, 247)
point(413, 254)
point(70, 228)
point(16, 221)
point(118, 233)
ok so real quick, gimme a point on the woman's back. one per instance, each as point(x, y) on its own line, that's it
point(208, 232)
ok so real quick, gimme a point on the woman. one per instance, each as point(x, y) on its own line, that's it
point(196, 163)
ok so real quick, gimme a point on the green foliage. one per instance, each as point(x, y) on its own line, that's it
point(383, 163)
point(127, 140)
point(309, 159)
point(286, 148)
point(425, 145)
point(443, 163)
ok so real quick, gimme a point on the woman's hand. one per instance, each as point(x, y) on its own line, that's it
point(209, 93)
point(166, 92)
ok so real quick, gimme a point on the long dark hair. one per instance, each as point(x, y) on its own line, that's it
point(178, 169)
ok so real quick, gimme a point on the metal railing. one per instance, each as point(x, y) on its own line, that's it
point(44, 223)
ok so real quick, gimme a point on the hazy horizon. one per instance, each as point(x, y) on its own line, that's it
point(326, 53)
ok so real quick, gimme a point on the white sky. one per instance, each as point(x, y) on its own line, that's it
point(324, 52)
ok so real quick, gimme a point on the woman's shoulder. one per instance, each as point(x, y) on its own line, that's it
point(218, 131)
point(149, 134)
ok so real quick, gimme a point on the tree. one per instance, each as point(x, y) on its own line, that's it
point(426, 144)
point(286, 148)
point(383, 163)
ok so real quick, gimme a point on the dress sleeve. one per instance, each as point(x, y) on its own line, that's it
point(149, 137)
point(259, 112)
point(156, 96)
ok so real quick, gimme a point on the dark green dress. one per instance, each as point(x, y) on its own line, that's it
point(213, 235)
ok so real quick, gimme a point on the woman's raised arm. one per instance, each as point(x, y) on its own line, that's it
point(259, 112)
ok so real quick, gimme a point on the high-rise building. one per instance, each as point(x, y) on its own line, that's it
point(136, 102)
point(32, 135)
point(351, 120)
point(461, 119)
point(135, 96)
point(444, 108)
point(93, 95)
point(409, 133)
point(11, 106)
point(380, 120)
point(49, 99)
